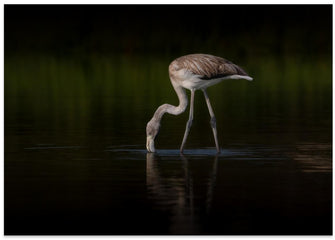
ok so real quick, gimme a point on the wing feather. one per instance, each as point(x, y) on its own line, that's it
point(208, 66)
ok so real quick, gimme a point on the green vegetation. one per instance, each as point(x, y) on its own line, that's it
point(143, 81)
point(73, 93)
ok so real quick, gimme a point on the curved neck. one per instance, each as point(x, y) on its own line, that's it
point(168, 108)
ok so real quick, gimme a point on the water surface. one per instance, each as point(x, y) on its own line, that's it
point(247, 189)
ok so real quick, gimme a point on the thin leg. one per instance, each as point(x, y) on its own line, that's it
point(212, 121)
point(189, 122)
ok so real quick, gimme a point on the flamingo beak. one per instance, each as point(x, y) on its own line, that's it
point(150, 144)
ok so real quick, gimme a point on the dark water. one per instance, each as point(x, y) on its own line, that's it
point(82, 82)
point(248, 189)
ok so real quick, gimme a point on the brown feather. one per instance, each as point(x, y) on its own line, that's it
point(208, 66)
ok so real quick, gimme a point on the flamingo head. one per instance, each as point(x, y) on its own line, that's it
point(152, 131)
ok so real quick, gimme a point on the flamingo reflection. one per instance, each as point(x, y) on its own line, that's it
point(174, 193)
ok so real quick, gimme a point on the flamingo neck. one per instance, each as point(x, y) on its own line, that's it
point(168, 108)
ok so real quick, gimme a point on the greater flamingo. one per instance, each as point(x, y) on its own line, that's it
point(193, 72)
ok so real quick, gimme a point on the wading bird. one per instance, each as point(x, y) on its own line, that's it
point(193, 72)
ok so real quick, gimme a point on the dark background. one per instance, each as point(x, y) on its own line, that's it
point(168, 29)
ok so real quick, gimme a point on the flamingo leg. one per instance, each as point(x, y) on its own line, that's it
point(189, 122)
point(212, 121)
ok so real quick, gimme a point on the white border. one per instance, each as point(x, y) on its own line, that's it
point(165, 2)
point(2, 118)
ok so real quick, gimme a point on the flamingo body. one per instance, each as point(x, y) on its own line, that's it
point(200, 71)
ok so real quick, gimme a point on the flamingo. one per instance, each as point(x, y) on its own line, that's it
point(193, 72)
